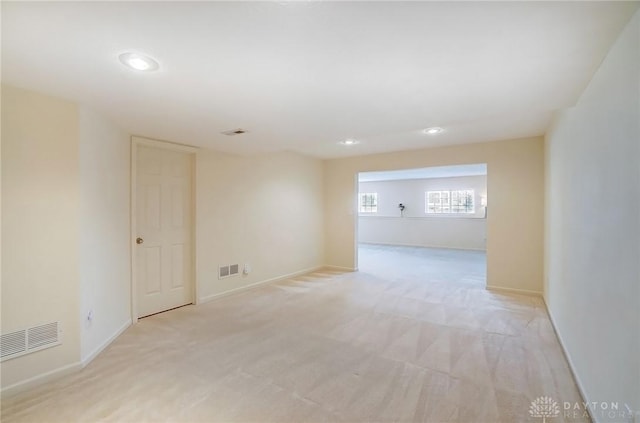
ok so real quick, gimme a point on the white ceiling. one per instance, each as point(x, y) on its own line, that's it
point(425, 173)
point(301, 76)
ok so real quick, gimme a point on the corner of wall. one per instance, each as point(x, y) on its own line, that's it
point(39, 168)
point(591, 264)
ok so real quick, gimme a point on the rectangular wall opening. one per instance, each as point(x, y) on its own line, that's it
point(427, 223)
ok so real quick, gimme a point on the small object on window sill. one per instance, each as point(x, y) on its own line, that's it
point(401, 207)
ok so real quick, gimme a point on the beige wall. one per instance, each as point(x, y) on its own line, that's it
point(264, 210)
point(65, 229)
point(64, 169)
point(592, 286)
point(416, 227)
point(515, 213)
point(105, 256)
point(65, 176)
point(40, 280)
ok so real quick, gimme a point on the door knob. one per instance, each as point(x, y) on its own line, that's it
point(139, 240)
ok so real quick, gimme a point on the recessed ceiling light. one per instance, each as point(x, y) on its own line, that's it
point(433, 130)
point(139, 62)
point(349, 141)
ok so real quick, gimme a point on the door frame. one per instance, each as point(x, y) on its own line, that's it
point(140, 141)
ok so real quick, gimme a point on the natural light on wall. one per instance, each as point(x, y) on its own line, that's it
point(440, 207)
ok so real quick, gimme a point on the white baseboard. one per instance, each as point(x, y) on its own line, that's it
point(581, 390)
point(89, 358)
point(254, 285)
point(40, 379)
point(421, 245)
point(62, 371)
point(514, 290)
point(340, 268)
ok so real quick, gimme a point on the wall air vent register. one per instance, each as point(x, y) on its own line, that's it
point(25, 341)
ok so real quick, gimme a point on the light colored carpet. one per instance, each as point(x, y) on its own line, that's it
point(413, 336)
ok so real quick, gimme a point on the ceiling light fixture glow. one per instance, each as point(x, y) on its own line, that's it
point(433, 130)
point(349, 141)
point(139, 62)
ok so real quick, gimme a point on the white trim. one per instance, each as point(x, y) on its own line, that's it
point(135, 142)
point(132, 221)
point(194, 233)
point(579, 384)
point(89, 358)
point(431, 217)
point(340, 268)
point(568, 358)
point(514, 290)
point(134, 194)
point(423, 246)
point(163, 144)
point(258, 284)
point(40, 379)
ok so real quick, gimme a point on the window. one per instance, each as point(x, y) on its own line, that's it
point(368, 202)
point(462, 201)
point(438, 202)
point(455, 201)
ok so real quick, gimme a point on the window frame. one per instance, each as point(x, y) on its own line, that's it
point(365, 207)
point(449, 208)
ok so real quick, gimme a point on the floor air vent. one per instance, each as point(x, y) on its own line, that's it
point(36, 338)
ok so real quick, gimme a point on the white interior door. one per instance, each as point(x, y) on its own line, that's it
point(164, 264)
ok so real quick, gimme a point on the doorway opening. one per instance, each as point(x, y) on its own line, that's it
point(424, 224)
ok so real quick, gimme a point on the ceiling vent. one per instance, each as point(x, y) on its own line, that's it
point(234, 132)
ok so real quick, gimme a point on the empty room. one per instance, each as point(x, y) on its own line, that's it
point(318, 211)
point(425, 224)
